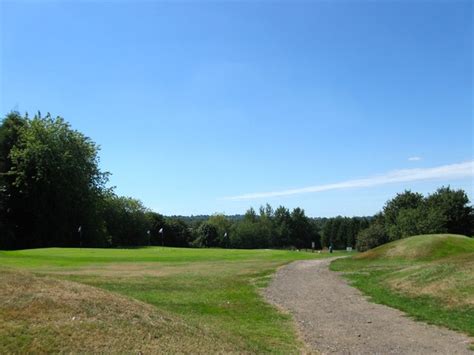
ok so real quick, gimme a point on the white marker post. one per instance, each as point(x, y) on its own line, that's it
point(162, 237)
point(79, 230)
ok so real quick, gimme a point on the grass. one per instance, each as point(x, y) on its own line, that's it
point(209, 297)
point(430, 277)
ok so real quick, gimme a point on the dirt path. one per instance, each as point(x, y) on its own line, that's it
point(334, 317)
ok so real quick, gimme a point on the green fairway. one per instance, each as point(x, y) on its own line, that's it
point(213, 291)
point(430, 277)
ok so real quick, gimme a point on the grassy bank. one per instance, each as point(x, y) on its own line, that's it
point(430, 277)
point(201, 300)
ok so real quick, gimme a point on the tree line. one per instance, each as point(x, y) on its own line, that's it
point(410, 213)
point(53, 193)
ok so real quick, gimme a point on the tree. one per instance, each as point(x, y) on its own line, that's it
point(126, 221)
point(176, 232)
point(454, 206)
point(223, 226)
point(207, 235)
point(282, 234)
point(51, 183)
point(9, 134)
point(371, 237)
point(405, 200)
point(301, 230)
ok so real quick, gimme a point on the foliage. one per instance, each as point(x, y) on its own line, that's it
point(341, 232)
point(207, 235)
point(408, 214)
point(274, 229)
point(51, 183)
point(371, 237)
point(53, 193)
point(404, 201)
point(176, 232)
point(126, 221)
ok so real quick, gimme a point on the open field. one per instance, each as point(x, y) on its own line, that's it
point(430, 277)
point(145, 299)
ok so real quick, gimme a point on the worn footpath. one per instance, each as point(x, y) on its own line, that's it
point(334, 317)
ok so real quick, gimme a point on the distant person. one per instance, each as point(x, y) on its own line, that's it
point(330, 248)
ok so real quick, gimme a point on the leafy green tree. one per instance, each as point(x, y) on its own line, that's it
point(455, 209)
point(10, 131)
point(223, 226)
point(51, 183)
point(371, 237)
point(156, 221)
point(315, 234)
point(126, 221)
point(301, 230)
point(252, 231)
point(420, 220)
point(282, 234)
point(405, 200)
point(327, 233)
point(250, 215)
point(207, 235)
point(176, 232)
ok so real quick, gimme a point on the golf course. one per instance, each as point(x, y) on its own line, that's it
point(236, 177)
point(144, 299)
point(156, 299)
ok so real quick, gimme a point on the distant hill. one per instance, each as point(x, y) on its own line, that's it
point(204, 217)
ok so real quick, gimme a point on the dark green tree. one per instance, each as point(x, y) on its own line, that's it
point(282, 234)
point(52, 183)
point(127, 221)
point(223, 226)
point(455, 209)
point(405, 200)
point(301, 229)
point(372, 237)
point(207, 235)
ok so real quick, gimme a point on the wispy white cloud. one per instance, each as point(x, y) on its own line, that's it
point(444, 172)
point(414, 158)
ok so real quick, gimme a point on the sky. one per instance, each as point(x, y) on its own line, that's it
point(203, 107)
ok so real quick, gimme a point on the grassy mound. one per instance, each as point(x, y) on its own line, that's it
point(430, 277)
point(40, 314)
point(422, 247)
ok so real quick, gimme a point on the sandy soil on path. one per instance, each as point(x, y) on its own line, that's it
point(334, 317)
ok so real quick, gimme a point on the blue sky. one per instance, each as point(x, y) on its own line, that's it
point(198, 104)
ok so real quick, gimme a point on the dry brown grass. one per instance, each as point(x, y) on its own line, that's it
point(453, 284)
point(40, 314)
point(131, 270)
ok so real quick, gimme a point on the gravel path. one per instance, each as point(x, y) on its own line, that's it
point(334, 317)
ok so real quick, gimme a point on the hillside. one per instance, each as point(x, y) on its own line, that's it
point(422, 247)
point(41, 314)
point(430, 277)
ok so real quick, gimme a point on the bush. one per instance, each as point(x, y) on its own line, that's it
point(371, 237)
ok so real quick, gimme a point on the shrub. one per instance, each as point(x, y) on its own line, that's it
point(371, 237)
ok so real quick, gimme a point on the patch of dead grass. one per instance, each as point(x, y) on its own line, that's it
point(455, 287)
point(132, 270)
point(40, 314)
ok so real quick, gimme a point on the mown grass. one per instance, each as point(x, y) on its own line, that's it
point(430, 277)
point(211, 289)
